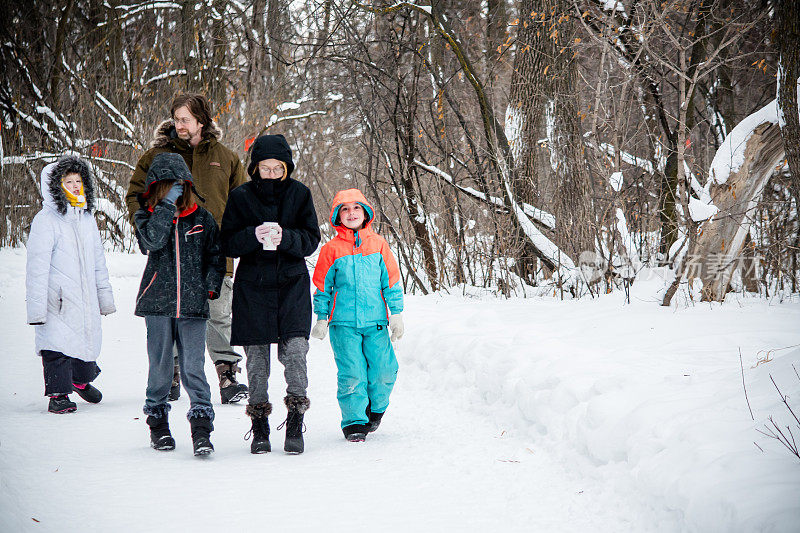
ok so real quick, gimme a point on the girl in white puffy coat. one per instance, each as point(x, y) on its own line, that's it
point(67, 285)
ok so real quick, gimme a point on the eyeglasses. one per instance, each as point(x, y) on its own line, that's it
point(275, 171)
point(185, 120)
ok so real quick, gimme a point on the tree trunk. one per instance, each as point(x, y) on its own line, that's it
point(713, 254)
point(55, 76)
point(191, 61)
point(788, 36)
point(496, 29)
point(216, 80)
point(543, 85)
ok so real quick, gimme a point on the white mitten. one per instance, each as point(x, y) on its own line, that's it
point(396, 325)
point(320, 329)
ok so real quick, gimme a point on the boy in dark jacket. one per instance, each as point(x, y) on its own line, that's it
point(271, 224)
point(184, 270)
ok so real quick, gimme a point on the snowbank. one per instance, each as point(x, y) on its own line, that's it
point(639, 393)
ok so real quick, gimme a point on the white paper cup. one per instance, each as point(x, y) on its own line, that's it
point(273, 230)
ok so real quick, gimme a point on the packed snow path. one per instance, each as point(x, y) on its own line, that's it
point(507, 415)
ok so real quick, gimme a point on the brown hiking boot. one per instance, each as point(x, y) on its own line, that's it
point(175, 388)
point(230, 391)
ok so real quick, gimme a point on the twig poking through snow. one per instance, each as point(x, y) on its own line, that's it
point(741, 364)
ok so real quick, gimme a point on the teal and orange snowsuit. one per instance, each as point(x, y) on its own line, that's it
point(358, 286)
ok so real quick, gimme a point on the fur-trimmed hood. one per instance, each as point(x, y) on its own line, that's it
point(165, 133)
point(53, 194)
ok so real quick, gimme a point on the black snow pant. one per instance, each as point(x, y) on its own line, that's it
point(61, 371)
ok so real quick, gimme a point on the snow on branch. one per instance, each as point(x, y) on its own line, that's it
point(731, 154)
point(48, 157)
point(629, 158)
point(113, 114)
point(562, 263)
point(165, 75)
point(274, 119)
point(38, 125)
point(292, 105)
point(295, 104)
point(129, 11)
point(542, 217)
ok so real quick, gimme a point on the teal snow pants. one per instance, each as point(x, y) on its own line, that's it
point(367, 370)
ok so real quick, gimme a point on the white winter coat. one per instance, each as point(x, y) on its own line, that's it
point(67, 285)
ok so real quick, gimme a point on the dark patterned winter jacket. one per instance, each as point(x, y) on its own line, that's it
point(184, 261)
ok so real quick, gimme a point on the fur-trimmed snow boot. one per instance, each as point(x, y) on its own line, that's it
point(175, 388)
point(260, 428)
point(296, 407)
point(230, 390)
point(201, 435)
point(356, 432)
point(61, 404)
point(88, 392)
point(160, 436)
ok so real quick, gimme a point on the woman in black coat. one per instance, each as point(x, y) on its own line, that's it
point(271, 225)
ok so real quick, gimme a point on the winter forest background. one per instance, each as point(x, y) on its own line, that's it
point(534, 145)
point(558, 149)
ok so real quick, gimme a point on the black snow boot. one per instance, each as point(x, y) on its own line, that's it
point(356, 432)
point(88, 392)
point(296, 407)
point(160, 436)
point(201, 435)
point(175, 388)
point(374, 420)
point(230, 391)
point(61, 404)
point(260, 428)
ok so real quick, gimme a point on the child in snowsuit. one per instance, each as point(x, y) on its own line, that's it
point(357, 279)
point(184, 270)
point(67, 287)
point(271, 224)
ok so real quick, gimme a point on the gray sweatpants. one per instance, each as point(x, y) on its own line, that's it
point(292, 354)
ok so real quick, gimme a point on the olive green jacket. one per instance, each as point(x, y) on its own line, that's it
point(216, 169)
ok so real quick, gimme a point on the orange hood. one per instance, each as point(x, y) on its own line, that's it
point(351, 195)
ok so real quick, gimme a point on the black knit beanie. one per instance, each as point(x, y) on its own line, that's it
point(270, 147)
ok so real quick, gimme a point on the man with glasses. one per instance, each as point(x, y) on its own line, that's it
point(216, 170)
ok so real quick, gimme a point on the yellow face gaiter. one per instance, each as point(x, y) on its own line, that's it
point(74, 201)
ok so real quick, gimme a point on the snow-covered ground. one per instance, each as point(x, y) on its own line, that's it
point(508, 415)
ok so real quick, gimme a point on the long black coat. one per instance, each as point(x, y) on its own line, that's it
point(271, 289)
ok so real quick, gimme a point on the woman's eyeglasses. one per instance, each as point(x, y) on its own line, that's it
point(275, 171)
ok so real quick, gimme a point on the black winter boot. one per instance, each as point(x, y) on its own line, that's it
point(61, 404)
point(201, 435)
point(230, 391)
point(88, 392)
point(160, 436)
point(175, 389)
point(260, 428)
point(356, 432)
point(374, 420)
point(296, 407)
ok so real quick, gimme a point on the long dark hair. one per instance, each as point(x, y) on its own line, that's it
point(198, 106)
point(159, 189)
